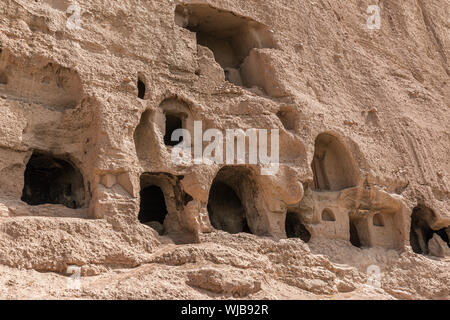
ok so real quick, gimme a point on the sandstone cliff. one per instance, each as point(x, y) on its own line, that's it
point(90, 93)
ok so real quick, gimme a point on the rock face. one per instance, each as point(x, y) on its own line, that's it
point(92, 95)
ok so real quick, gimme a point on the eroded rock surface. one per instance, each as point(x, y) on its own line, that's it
point(358, 208)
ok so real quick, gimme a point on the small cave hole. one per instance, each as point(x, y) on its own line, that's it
point(173, 122)
point(328, 215)
point(50, 180)
point(225, 209)
point(153, 208)
point(141, 89)
point(333, 166)
point(295, 228)
point(378, 220)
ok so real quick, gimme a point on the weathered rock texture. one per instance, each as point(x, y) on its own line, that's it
point(86, 176)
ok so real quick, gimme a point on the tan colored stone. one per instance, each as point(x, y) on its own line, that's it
point(364, 167)
point(438, 248)
point(109, 180)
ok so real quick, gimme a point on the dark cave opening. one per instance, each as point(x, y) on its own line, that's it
point(141, 89)
point(153, 205)
point(225, 209)
point(421, 232)
point(354, 236)
point(328, 215)
point(173, 123)
point(295, 228)
point(50, 180)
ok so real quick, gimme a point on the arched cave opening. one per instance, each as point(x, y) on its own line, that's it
point(231, 203)
point(295, 228)
point(333, 165)
point(328, 215)
point(225, 209)
point(51, 180)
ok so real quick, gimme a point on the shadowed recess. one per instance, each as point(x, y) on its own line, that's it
point(141, 89)
point(421, 232)
point(229, 36)
point(153, 205)
point(295, 228)
point(333, 166)
point(50, 180)
point(173, 123)
point(40, 81)
point(328, 215)
point(232, 201)
point(354, 236)
point(225, 209)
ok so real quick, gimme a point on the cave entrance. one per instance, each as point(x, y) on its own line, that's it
point(333, 165)
point(232, 201)
point(141, 88)
point(354, 235)
point(226, 210)
point(295, 228)
point(51, 180)
point(153, 208)
point(173, 122)
point(421, 232)
point(360, 233)
point(229, 36)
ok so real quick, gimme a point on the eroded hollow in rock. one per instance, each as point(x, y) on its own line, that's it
point(378, 220)
point(421, 232)
point(173, 122)
point(141, 88)
point(177, 115)
point(229, 36)
point(38, 80)
point(288, 118)
point(231, 203)
point(354, 235)
point(333, 166)
point(144, 140)
point(153, 205)
point(3, 78)
point(162, 205)
point(328, 215)
point(226, 210)
point(295, 228)
point(51, 180)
